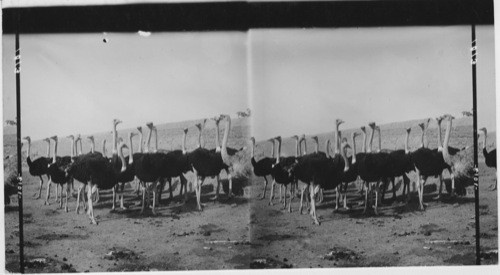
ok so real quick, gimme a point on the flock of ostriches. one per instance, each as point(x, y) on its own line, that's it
point(316, 171)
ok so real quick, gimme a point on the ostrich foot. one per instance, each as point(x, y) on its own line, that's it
point(437, 197)
point(93, 221)
point(46, 202)
point(66, 209)
point(271, 203)
point(315, 221)
point(261, 197)
point(36, 196)
point(123, 207)
point(214, 198)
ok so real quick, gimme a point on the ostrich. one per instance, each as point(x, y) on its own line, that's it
point(461, 163)
point(92, 146)
point(38, 166)
point(234, 161)
point(200, 127)
point(263, 167)
point(490, 158)
point(352, 172)
point(95, 170)
point(56, 170)
point(126, 172)
point(281, 172)
point(282, 182)
point(400, 164)
point(373, 168)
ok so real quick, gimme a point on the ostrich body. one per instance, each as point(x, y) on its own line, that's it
point(461, 163)
point(281, 173)
point(373, 169)
point(57, 173)
point(490, 158)
point(263, 167)
point(38, 167)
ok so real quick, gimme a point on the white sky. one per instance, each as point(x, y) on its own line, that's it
point(300, 80)
point(304, 79)
point(76, 83)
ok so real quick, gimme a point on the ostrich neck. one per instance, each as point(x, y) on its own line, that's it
point(305, 147)
point(344, 156)
point(149, 140)
point(92, 146)
point(327, 147)
point(379, 140)
point(72, 148)
point(122, 158)
point(156, 140)
point(422, 138)
point(272, 149)
point(407, 137)
point(141, 148)
point(363, 149)
point(226, 136)
point(184, 142)
point(297, 148)
point(484, 139)
point(316, 146)
point(81, 148)
point(253, 149)
point(55, 152)
point(440, 144)
point(279, 152)
point(28, 151)
point(48, 149)
point(217, 144)
point(339, 138)
point(104, 147)
point(335, 139)
point(199, 137)
point(131, 152)
point(371, 140)
point(353, 149)
point(446, 153)
point(115, 145)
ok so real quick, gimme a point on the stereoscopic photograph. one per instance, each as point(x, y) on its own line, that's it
point(232, 135)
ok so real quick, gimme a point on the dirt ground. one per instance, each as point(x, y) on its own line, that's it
point(246, 232)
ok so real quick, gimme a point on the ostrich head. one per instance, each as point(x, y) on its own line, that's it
point(372, 125)
point(408, 130)
point(54, 138)
point(303, 137)
point(149, 125)
point(198, 125)
point(71, 137)
point(439, 119)
point(278, 138)
point(90, 138)
point(421, 125)
point(185, 130)
point(295, 137)
point(46, 140)
point(271, 140)
point(116, 121)
point(132, 134)
point(338, 121)
point(363, 128)
point(315, 138)
point(252, 139)
point(27, 138)
point(483, 130)
point(354, 134)
point(344, 144)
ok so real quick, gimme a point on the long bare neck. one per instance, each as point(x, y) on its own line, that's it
point(297, 148)
point(149, 140)
point(446, 153)
point(253, 149)
point(353, 149)
point(336, 139)
point(484, 139)
point(217, 144)
point(131, 153)
point(72, 148)
point(305, 147)
point(48, 149)
point(122, 158)
point(371, 140)
point(92, 146)
point(406, 142)
point(156, 140)
point(199, 137)
point(226, 136)
point(80, 151)
point(55, 152)
point(422, 138)
point(379, 140)
point(141, 147)
point(184, 142)
point(272, 149)
point(344, 156)
point(440, 144)
point(104, 147)
point(327, 148)
point(316, 146)
point(363, 149)
point(279, 151)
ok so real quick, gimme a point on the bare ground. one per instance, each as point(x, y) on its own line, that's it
point(245, 232)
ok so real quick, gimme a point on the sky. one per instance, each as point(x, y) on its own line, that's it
point(76, 83)
point(302, 80)
point(294, 80)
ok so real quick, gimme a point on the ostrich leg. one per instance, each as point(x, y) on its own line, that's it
point(40, 190)
point(265, 188)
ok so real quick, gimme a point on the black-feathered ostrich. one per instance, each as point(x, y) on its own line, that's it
point(57, 173)
point(351, 174)
point(461, 163)
point(262, 168)
point(373, 169)
point(95, 170)
point(281, 185)
point(38, 166)
point(281, 172)
point(490, 158)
